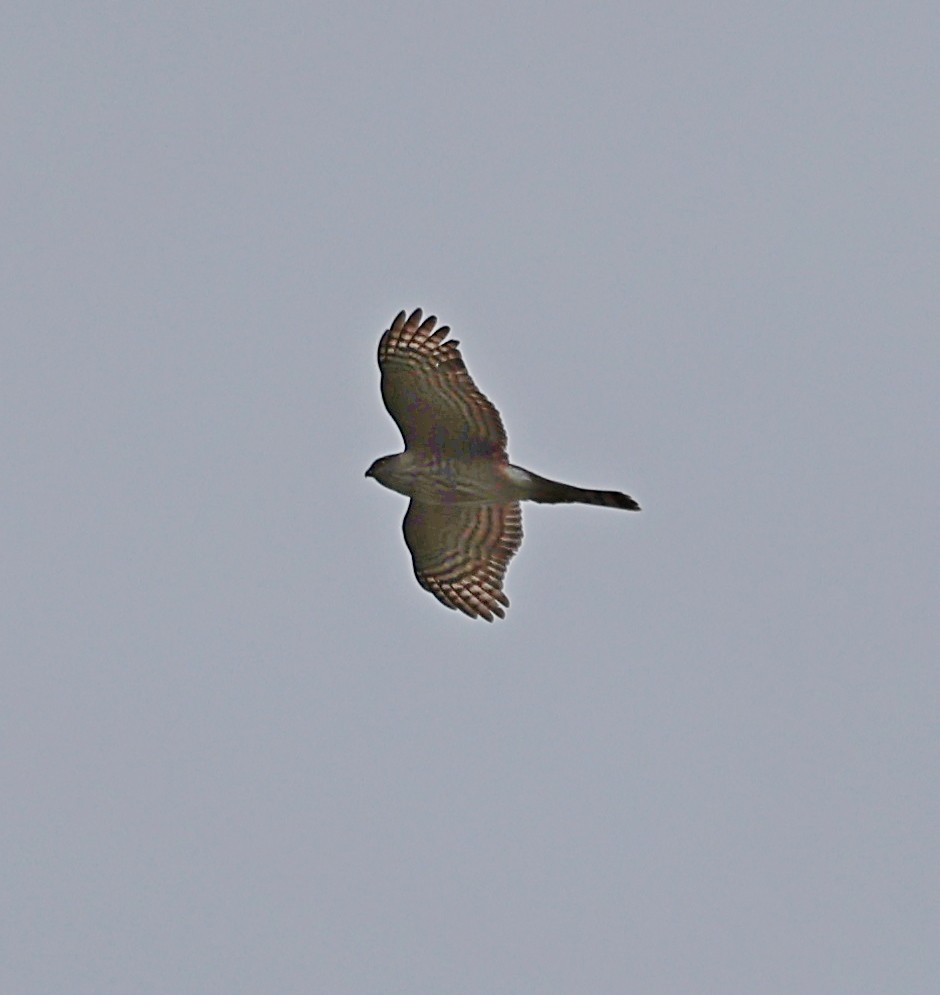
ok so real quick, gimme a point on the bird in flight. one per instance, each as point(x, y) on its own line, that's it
point(464, 523)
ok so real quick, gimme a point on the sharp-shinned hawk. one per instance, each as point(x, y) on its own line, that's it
point(464, 523)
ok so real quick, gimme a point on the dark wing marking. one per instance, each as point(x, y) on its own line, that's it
point(460, 553)
point(430, 394)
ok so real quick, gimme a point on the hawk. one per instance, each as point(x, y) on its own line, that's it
point(464, 523)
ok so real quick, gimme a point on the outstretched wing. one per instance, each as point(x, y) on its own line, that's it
point(460, 553)
point(430, 394)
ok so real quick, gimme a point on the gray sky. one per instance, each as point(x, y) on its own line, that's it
point(691, 252)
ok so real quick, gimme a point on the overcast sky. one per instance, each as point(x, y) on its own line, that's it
point(691, 251)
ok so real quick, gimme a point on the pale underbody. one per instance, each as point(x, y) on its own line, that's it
point(433, 480)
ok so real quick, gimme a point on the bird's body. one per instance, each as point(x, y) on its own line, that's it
point(433, 479)
point(463, 524)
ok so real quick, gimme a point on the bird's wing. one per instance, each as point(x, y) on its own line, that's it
point(430, 394)
point(460, 553)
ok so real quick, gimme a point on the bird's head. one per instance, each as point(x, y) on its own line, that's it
point(392, 472)
point(381, 468)
point(371, 472)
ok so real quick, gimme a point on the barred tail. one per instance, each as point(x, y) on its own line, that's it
point(552, 492)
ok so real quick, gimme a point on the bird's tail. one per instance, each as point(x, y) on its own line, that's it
point(552, 492)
